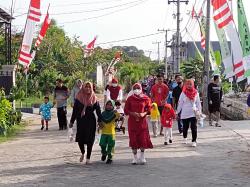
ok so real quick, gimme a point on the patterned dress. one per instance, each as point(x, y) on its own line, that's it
point(45, 111)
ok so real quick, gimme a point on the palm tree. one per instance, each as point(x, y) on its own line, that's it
point(192, 68)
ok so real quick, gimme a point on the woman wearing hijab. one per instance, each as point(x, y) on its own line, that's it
point(85, 105)
point(189, 104)
point(137, 107)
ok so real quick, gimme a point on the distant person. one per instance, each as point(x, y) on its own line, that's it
point(61, 94)
point(167, 119)
point(176, 95)
point(159, 95)
point(85, 105)
point(189, 104)
point(114, 91)
point(214, 100)
point(45, 110)
point(120, 121)
point(137, 107)
point(77, 87)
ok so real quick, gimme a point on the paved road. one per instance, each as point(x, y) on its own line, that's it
point(38, 158)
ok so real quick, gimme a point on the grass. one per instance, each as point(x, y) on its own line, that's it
point(12, 132)
point(28, 102)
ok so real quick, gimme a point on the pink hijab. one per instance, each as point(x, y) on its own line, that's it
point(86, 99)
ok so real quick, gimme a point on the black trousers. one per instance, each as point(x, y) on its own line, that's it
point(89, 149)
point(186, 123)
point(62, 117)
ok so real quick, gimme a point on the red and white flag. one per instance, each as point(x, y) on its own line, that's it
point(43, 31)
point(193, 12)
point(34, 15)
point(200, 13)
point(89, 48)
point(223, 17)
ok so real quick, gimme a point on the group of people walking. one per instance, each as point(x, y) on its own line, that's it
point(139, 108)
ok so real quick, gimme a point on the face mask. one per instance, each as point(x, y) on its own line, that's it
point(114, 85)
point(137, 92)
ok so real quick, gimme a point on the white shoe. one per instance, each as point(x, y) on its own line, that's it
point(135, 160)
point(88, 161)
point(194, 144)
point(185, 141)
point(142, 159)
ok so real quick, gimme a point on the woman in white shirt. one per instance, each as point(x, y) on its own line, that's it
point(189, 104)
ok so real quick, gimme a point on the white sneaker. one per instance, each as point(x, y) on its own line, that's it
point(185, 141)
point(194, 144)
point(135, 160)
point(142, 159)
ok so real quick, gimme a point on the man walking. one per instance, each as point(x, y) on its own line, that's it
point(159, 94)
point(176, 95)
point(214, 99)
point(61, 94)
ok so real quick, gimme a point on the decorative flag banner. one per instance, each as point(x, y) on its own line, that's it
point(224, 19)
point(193, 12)
point(203, 41)
point(212, 58)
point(114, 61)
point(245, 38)
point(217, 57)
point(225, 52)
point(43, 31)
point(34, 15)
point(89, 48)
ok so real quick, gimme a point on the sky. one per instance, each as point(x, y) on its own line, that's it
point(113, 20)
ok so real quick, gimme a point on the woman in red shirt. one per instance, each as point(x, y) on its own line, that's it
point(137, 107)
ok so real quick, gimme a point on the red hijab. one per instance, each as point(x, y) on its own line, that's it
point(190, 92)
point(86, 99)
point(141, 96)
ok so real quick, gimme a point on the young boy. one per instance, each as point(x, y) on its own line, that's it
point(45, 109)
point(119, 127)
point(154, 118)
point(107, 142)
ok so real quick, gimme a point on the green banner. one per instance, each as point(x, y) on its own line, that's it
point(212, 59)
point(225, 52)
point(217, 57)
point(244, 36)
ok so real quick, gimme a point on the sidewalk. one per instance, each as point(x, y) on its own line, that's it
point(241, 128)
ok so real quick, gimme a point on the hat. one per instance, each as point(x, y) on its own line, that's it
point(114, 80)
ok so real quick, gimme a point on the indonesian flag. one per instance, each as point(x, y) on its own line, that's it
point(203, 41)
point(43, 31)
point(200, 13)
point(89, 48)
point(224, 19)
point(193, 12)
point(34, 15)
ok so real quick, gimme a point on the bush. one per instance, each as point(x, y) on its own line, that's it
point(8, 117)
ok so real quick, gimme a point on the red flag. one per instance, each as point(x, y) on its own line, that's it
point(43, 31)
point(89, 48)
point(193, 12)
point(200, 13)
point(203, 41)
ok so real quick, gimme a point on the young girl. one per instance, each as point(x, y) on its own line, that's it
point(154, 118)
point(167, 117)
point(107, 142)
point(46, 113)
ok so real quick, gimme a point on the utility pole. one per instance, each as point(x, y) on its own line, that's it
point(158, 48)
point(166, 51)
point(206, 63)
point(178, 31)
